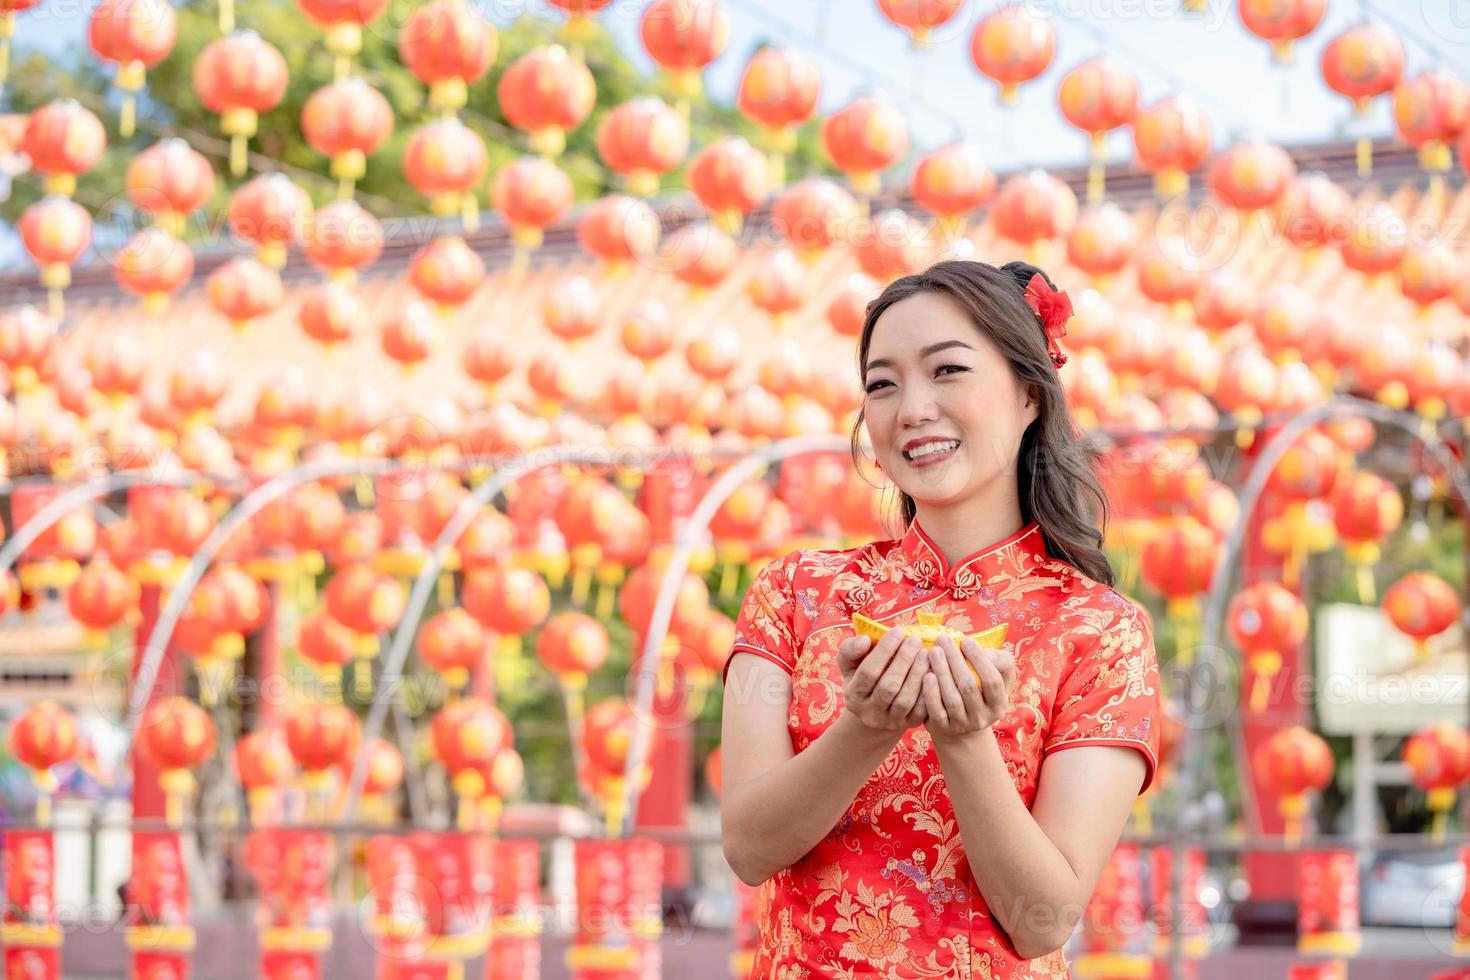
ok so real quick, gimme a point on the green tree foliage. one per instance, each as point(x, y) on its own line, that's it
point(171, 106)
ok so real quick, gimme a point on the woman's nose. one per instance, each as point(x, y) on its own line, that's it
point(918, 405)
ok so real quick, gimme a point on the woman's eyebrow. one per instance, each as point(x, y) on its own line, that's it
point(926, 352)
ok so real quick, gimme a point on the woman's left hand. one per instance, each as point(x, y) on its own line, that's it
point(958, 705)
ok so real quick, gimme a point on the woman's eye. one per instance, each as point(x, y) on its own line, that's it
point(873, 386)
point(946, 368)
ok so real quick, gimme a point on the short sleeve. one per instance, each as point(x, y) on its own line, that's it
point(766, 623)
point(1110, 696)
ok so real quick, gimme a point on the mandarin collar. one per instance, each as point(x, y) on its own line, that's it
point(925, 563)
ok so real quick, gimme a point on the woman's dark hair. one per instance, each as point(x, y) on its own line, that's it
point(1055, 479)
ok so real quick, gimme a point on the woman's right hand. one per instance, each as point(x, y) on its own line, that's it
point(883, 686)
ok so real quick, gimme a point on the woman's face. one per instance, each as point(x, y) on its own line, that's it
point(942, 409)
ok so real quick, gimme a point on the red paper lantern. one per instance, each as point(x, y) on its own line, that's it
point(100, 598)
point(410, 335)
point(342, 238)
point(154, 265)
point(848, 308)
point(1012, 46)
point(347, 121)
point(343, 21)
point(1168, 272)
point(951, 183)
point(243, 289)
point(446, 271)
point(177, 734)
point(729, 177)
point(1102, 240)
point(701, 255)
point(239, 77)
point(683, 37)
point(1428, 273)
point(714, 353)
point(779, 90)
point(533, 194)
point(63, 141)
point(920, 17)
point(642, 139)
point(1292, 763)
point(1281, 22)
point(1431, 110)
point(1312, 212)
point(322, 737)
point(365, 601)
point(264, 760)
point(608, 736)
point(271, 212)
point(27, 338)
point(1267, 622)
point(814, 215)
point(1421, 605)
point(328, 644)
point(486, 359)
point(1098, 96)
point(445, 161)
point(447, 45)
point(1250, 176)
point(466, 734)
point(330, 313)
point(509, 601)
point(55, 232)
point(135, 35)
point(1179, 561)
point(1375, 239)
point(640, 591)
point(1439, 761)
point(1171, 138)
point(864, 138)
point(170, 180)
point(451, 643)
point(1033, 207)
point(571, 646)
point(777, 283)
point(547, 93)
point(890, 245)
point(44, 736)
point(619, 229)
point(1362, 63)
point(579, 16)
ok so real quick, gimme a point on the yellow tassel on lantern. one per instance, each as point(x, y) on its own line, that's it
point(1183, 612)
point(1265, 665)
point(1294, 811)
point(469, 785)
point(177, 785)
point(1441, 801)
point(1364, 555)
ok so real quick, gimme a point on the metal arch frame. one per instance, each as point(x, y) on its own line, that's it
point(1188, 821)
point(688, 538)
point(50, 514)
point(423, 586)
point(248, 506)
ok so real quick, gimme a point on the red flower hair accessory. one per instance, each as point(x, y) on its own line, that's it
point(1054, 307)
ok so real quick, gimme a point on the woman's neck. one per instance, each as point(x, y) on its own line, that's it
point(961, 530)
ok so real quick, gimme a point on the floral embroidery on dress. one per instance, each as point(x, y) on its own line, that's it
point(888, 891)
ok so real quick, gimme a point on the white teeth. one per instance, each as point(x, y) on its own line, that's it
point(930, 448)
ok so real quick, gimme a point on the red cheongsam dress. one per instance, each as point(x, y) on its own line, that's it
point(888, 892)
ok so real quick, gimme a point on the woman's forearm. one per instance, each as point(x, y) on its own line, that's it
point(772, 820)
point(1027, 883)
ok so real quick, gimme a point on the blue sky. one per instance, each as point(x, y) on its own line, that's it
point(1209, 57)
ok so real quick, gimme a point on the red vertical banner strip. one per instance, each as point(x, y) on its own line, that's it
point(159, 933)
point(1189, 921)
point(515, 948)
point(1327, 904)
point(30, 930)
point(293, 870)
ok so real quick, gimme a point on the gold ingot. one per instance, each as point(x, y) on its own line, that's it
point(929, 629)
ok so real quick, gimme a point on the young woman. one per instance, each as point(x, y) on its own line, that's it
point(903, 818)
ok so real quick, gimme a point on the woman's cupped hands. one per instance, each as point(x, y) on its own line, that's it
point(952, 688)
